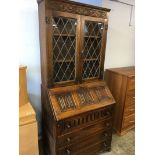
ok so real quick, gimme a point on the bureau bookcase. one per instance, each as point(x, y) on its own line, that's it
point(77, 106)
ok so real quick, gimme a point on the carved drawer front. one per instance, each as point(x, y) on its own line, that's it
point(84, 133)
point(128, 121)
point(83, 120)
point(82, 146)
point(131, 83)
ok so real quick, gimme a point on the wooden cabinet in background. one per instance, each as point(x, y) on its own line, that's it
point(77, 106)
point(28, 131)
point(121, 82)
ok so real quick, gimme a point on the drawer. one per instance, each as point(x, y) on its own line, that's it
point(129, 110)
point(128, 121)
point(87, 146)
point(81, 121)
point(131, 83)
point(130, 100)
point(131, 93)
point(84, 133)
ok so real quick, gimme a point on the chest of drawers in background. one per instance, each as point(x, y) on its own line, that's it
point(121, 82)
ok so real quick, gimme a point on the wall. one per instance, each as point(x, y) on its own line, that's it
point(92, 2)
point(30, 51)
point(119, 52)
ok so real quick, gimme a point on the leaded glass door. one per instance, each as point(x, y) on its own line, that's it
point(92, 48)
point(64, 47)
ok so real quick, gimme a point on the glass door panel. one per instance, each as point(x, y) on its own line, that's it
point(91, 49)
point(64, 48)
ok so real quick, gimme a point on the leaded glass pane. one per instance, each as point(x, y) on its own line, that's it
point(64, 45)
point(91, 49)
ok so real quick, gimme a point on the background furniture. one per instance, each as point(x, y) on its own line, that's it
point(77, 106)
point(28, 132)
point(121, 82)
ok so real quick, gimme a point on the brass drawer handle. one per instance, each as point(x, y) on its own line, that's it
point(105, 144)
point(68, 139)
point(132, 121)
point(68, 151)
point(133, 97)
point(68, 126)
point(108, 113)
point(108, 124)
point(105, 134)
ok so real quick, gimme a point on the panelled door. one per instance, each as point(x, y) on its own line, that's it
point(92, 47)
point(66, 31)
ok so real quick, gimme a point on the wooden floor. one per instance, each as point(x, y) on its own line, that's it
point(121, 145)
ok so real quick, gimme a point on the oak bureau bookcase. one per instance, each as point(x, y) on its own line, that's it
point(77, 106)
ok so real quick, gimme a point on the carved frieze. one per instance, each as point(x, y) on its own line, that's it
point(75, 9)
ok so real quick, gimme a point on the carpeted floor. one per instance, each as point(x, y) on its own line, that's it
point(121, 145)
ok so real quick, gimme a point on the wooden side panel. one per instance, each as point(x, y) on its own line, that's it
point(23, 96)
point(42, 36)
point(122, 87)
point(28, 139)
point(117, 85)
point(48, 124)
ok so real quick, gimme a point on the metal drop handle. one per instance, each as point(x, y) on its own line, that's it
point(68, 151)
point(68, 126)
point(105, 134)
point(68, 139)
point(105, 144)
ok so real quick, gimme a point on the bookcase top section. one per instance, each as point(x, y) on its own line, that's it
point(76, 3)
point(73, 100)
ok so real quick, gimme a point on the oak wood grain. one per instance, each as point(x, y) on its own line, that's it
point(121, 82)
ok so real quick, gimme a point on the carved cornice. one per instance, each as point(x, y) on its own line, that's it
point(76, 9)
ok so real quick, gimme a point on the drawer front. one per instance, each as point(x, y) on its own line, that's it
point(131, 92)
point(83, 120)
point(129, 110)
point(131, 83)
point(130, 100)
point(87, 147)
point(128, 121)
point(84, 133)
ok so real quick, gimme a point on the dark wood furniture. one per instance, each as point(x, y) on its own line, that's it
point(77, 105)
point(121, 82)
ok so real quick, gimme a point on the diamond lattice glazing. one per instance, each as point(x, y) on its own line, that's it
point(91, 50)
point(64, 45)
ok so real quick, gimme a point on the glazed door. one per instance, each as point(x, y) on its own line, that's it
point(92, 48)
point(64, 48)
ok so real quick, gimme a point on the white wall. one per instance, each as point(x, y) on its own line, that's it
point(119, 52)
point(30, 51)
point(92, 2)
